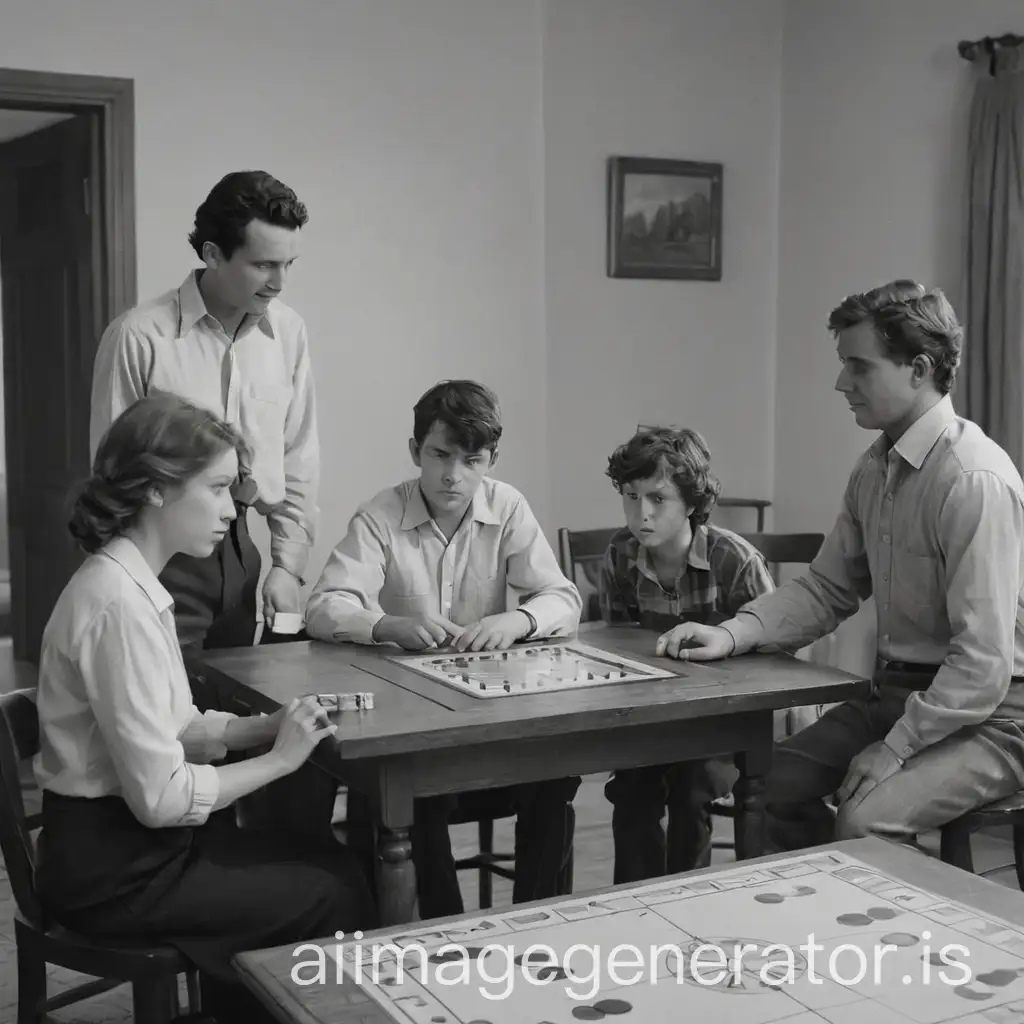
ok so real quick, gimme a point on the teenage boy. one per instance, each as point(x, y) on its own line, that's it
point(669, 565)
point(430, 563)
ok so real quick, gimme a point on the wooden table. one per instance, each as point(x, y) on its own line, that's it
point(420, 741)
point(917, 906)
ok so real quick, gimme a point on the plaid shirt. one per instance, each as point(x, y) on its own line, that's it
point(723, 572)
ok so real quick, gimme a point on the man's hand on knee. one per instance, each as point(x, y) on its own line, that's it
point(871, 767)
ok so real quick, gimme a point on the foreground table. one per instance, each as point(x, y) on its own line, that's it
point(858, 932)
point(423, 739)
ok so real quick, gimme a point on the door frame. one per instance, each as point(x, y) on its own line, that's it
point(114, 264)
point(114, 100)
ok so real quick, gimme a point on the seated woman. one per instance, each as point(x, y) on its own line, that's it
point(139, 836)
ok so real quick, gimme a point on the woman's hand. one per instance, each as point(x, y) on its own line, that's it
point(301, 726)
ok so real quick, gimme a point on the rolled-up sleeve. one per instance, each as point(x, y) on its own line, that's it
point(203, 737)
point(345, 603)
point(534, 575)
point(981, 535)
point(127, 674)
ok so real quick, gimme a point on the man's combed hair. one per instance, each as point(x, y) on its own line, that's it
point(237, 199)
point(468, 411)
point(909, 320)
point(682, 455)
point(158, 441)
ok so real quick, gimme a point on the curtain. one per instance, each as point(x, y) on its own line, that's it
point(991, 388)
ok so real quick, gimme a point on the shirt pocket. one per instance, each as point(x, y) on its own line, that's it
point(264, 410)
point(485, 584)
point(917, 592)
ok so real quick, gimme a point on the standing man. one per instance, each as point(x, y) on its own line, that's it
point(931, 525)
point(224, 339)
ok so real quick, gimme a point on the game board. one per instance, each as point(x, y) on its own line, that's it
point(534, 668)
point(783, 944)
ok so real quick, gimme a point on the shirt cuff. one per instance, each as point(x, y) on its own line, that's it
point(203, 737)
point(551, 617)
point(292, 555)
point(902, 741)
point(351, 625)
point(205, 790)
point(745, 630)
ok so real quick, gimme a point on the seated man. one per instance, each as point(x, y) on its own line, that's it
point(666, 566)
point(931, 525)
point(430, 563)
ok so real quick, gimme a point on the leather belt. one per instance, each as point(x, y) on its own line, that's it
point(916, 668)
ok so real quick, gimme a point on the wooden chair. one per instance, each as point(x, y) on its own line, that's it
point(778, 549)
point(584, 549)
point(151, 970)
point(955, 838)
point(486, 862)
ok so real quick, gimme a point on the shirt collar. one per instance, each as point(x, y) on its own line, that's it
point(697, 558)
point(129, 557)
point(920, 437)
point(192, 307)
point(416, 513)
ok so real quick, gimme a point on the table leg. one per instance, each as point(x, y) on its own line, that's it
point(750, 821)
point(397, 884)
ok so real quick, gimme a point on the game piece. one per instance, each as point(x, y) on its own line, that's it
point(827, 950)
point(533, 669)
point(346, 701)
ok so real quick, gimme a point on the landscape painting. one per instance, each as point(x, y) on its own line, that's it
point(664, 219)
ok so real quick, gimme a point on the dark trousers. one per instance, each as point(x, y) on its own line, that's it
point(212, 891)
point(545, 827)
point(640, 797)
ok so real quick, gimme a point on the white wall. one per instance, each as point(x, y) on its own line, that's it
point(412, 132)
point(874, 101)
point(695, 80)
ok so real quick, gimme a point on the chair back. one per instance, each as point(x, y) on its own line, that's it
point(19, 743)
point(584, 549)
point(786, 548)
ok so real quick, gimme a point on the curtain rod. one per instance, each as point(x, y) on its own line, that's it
point(968, 49)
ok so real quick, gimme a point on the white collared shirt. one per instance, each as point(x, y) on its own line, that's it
point(260, 382)
point(115, 709)
point(394, 560)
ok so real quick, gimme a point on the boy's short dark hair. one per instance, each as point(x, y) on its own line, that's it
point(237, 199)
point(468, 411)
point(909, 320)
point(681, 454)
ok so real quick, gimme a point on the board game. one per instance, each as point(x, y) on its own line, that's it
point(813, 939)
point(531, 668)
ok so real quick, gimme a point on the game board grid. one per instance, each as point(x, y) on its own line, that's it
point(417, 1005)
point(582, 656)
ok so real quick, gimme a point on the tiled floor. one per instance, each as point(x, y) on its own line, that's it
point(593, 871)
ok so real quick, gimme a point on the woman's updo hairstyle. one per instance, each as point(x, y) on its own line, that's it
point(158, 441)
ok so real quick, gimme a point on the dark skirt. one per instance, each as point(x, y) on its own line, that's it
point(211, 891)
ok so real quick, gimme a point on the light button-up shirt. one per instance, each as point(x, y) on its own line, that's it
point(260, 381)
point(116, 716)
point(933, 528)
point(395, 560)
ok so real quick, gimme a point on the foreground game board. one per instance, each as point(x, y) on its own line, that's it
point(533, 668)
point(811, 939)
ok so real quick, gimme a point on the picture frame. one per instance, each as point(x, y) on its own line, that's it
point(664, 219)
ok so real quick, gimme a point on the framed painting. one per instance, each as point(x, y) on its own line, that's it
point(664, 219)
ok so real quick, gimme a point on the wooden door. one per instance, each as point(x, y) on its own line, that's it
point(50, 238)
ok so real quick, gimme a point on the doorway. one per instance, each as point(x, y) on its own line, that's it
point(67, 267)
